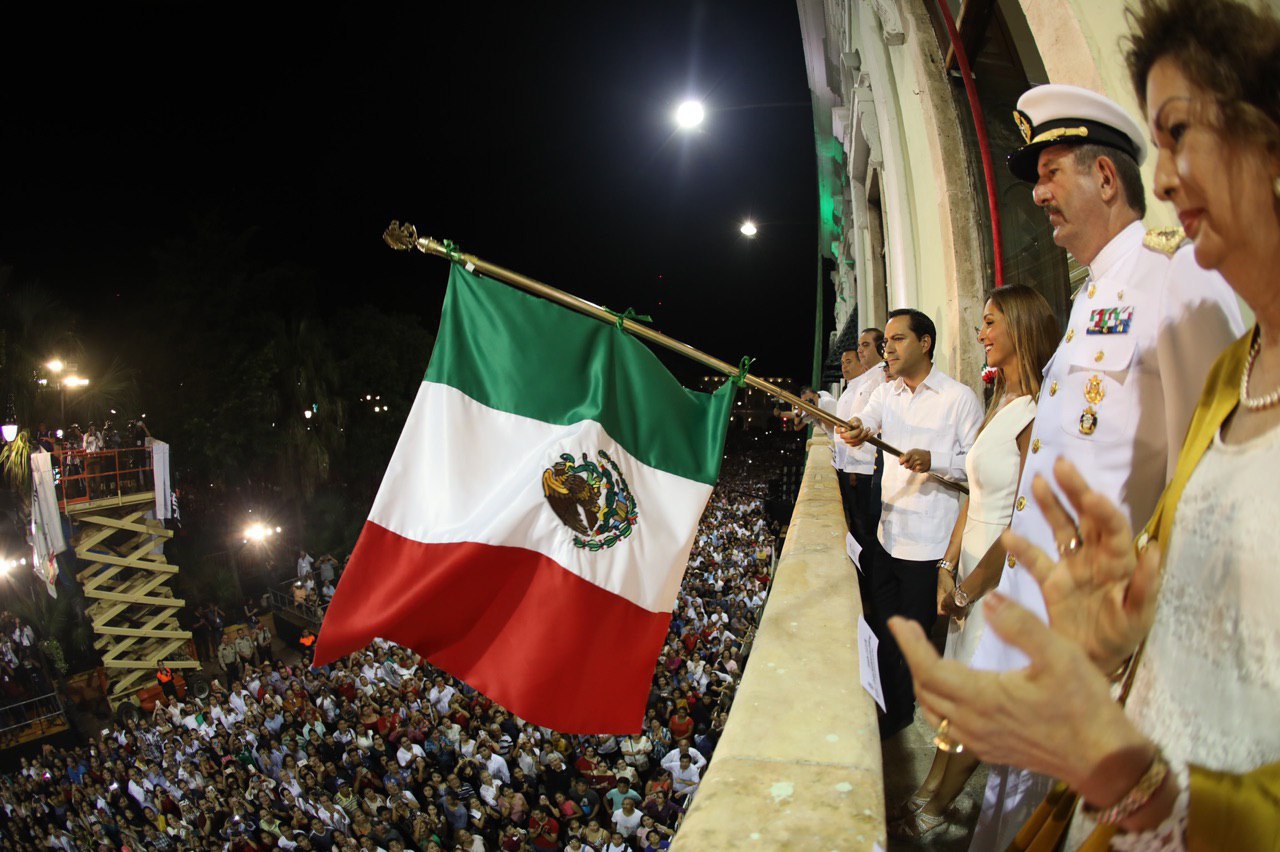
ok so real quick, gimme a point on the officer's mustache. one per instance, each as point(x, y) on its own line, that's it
point(1049, 210)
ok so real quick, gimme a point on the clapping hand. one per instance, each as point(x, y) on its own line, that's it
point(1101, 593)
point(1054, 717)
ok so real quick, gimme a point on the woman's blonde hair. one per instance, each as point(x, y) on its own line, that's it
point(1034, 332)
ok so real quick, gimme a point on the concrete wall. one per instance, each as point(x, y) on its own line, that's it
point(799, 764)
point(896, 117)
point(901, 133)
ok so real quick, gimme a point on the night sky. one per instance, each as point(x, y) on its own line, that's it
point(537, 136)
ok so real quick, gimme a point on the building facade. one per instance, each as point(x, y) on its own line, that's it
point(903, 196)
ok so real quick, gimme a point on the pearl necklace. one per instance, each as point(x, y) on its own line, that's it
point(1261, 402)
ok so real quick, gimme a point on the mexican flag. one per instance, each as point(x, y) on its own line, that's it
point(533, 526)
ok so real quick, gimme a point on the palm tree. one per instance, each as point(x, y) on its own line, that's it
point(31, 327)
point(310, 411)
point(15, 467)
point(114, 388)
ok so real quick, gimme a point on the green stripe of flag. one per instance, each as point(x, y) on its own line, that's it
point(521, 354)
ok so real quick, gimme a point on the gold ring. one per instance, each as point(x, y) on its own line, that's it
point(944, 742)
point(1072, 547)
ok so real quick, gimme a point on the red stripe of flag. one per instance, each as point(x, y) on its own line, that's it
point(548, 645)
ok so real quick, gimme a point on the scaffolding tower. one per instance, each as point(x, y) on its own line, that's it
point(134, 613)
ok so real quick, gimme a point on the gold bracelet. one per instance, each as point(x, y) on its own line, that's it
point(1136, 798)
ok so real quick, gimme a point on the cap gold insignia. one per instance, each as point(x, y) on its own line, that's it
point(1093, 391)
point(1088, 421)
point(1059, 132)
point(1024, 125)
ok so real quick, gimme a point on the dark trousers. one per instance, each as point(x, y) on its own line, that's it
point(866, 507)
point(910, 589)
point(849, 499)
point(860, 494)
point(233, 671)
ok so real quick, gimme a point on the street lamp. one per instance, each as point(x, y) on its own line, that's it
point(690, 114)
point(256, 532)
point(55, 365)
point(748, 229)
point(10, 427)
point(72, 382)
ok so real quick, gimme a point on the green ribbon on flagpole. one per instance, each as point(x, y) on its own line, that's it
point(452, 250)
point(743, 366)
point(629, 314)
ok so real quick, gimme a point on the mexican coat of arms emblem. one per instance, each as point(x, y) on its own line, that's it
point(592, 500)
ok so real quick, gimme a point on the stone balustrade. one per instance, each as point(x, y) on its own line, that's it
point(799, 765)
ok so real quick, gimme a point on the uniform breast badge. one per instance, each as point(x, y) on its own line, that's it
point(1088, 420)
point(1110, 320)
point(1093, 390)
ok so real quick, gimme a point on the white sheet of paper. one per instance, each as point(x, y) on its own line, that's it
point(869, 662)
point(854, 550)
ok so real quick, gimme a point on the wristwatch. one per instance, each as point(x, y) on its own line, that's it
point(960, 597)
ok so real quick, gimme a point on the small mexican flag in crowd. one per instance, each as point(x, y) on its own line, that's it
point(533, 526)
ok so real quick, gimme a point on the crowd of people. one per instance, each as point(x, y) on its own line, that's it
point(316, 582)
point(82, 470)
point(381, 751)
point(23, 675)
point(94, 438)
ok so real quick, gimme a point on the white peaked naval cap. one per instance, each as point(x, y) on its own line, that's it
point(1058, 114)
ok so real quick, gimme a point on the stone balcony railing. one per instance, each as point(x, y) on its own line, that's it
point(799, 764)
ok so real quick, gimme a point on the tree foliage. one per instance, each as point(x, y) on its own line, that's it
point(257, 351)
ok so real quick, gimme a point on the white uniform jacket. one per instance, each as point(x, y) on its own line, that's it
point(1118, 394)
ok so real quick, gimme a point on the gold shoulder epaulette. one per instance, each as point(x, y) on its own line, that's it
point(1164, 240)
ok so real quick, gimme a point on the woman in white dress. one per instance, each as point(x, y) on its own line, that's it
point(1019, 334)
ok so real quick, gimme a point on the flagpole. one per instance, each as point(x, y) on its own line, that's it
point(405, 237)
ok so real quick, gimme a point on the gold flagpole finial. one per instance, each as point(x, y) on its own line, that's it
point(401, 237)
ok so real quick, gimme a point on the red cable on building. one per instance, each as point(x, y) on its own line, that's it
point(984, 144)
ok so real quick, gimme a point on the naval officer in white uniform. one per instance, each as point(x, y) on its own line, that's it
point(1116, 399)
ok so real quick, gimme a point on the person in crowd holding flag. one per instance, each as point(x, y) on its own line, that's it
point(938, 418)
point(1191, 760)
